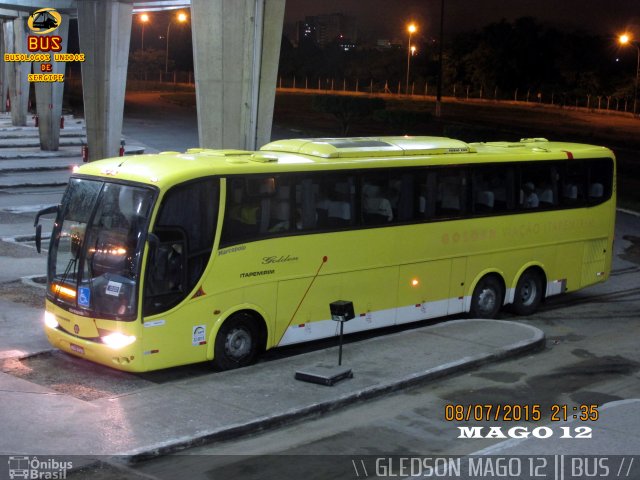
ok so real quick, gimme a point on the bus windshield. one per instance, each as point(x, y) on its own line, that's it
point(96, 248)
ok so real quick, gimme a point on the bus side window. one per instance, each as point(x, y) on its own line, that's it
point(600, 180)
point(450, 197)
point(426, 191)
point(573, 179)
point(306, 215)
point(242, 213)
point(184, 243)
point(538, 185)
point(375, 200)
point(340, 201)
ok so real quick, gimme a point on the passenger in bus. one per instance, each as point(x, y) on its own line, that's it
point(376, 208)
point(243, 214)
point(530, 197)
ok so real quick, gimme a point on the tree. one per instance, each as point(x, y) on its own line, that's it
point(346, 108)
point(141, 62)
point(404, 120)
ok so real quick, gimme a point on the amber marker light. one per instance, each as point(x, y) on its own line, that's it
point(415, 282)
point(62, 290)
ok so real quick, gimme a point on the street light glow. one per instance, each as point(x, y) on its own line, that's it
point(626, 39)
point(181, 18)
point(144, 18)
point(411, 28)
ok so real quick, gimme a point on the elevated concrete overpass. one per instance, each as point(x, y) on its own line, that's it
point(236, 47)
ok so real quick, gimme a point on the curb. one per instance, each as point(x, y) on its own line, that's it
point(265, 423)
point(629, 212)
point(28, 185)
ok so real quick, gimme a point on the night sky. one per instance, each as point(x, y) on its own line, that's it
point(384, 17)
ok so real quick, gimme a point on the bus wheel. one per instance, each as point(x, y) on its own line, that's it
point(487, 298)
point(236, 343)
point(528, 293)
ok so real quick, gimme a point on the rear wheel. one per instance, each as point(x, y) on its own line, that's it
point(528, 293)
point(487, 298)
point(236, 343)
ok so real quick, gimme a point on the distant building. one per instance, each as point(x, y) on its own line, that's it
point(324, 29)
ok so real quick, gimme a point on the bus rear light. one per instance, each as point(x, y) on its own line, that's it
point(118, 340)
point(50, 320)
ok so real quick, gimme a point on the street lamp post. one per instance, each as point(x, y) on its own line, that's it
point(181, 18)
point(626, 39)
point(411, 29)
point(144, 18)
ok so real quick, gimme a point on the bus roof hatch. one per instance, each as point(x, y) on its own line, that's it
point(369, 146)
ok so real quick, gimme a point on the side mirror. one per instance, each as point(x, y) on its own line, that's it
point(36, 224)
point(39, 238)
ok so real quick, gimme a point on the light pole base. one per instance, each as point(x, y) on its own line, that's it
point(324, 374)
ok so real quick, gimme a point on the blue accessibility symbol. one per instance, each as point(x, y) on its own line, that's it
point(84, 296)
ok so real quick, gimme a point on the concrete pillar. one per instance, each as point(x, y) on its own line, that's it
point(236, 47)
point(4, 81)
point(104, 28)
point(15, 40)
point(49, 95)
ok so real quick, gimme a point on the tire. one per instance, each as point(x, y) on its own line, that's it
point(487, 298)
point(236, 344)
point(528, 293)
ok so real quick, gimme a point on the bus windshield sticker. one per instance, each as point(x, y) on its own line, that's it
point(198, 335)
point(113, 288)
point(84, 296)
point(154, 323)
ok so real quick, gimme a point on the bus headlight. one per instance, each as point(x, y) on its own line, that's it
point(118, 340)
point(50, 320)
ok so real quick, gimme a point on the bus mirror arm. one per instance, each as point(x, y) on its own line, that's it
point(36, 224)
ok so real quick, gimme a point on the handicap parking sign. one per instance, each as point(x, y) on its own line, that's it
point(84, 296)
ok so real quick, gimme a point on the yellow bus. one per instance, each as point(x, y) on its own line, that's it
point(217, 255)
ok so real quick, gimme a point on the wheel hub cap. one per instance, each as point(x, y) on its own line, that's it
point(238, 343)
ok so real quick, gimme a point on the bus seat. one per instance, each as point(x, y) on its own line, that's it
point(281, 209)
point(485, 201)
point(338, 213)
point(570, 191)
point(531, 200)
point(422, 204)
point(546, 198)
point(596, 190)
point(450, 200)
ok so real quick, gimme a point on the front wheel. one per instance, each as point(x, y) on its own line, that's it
point(236, 343)
point(528, 293)
point(487, 298)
